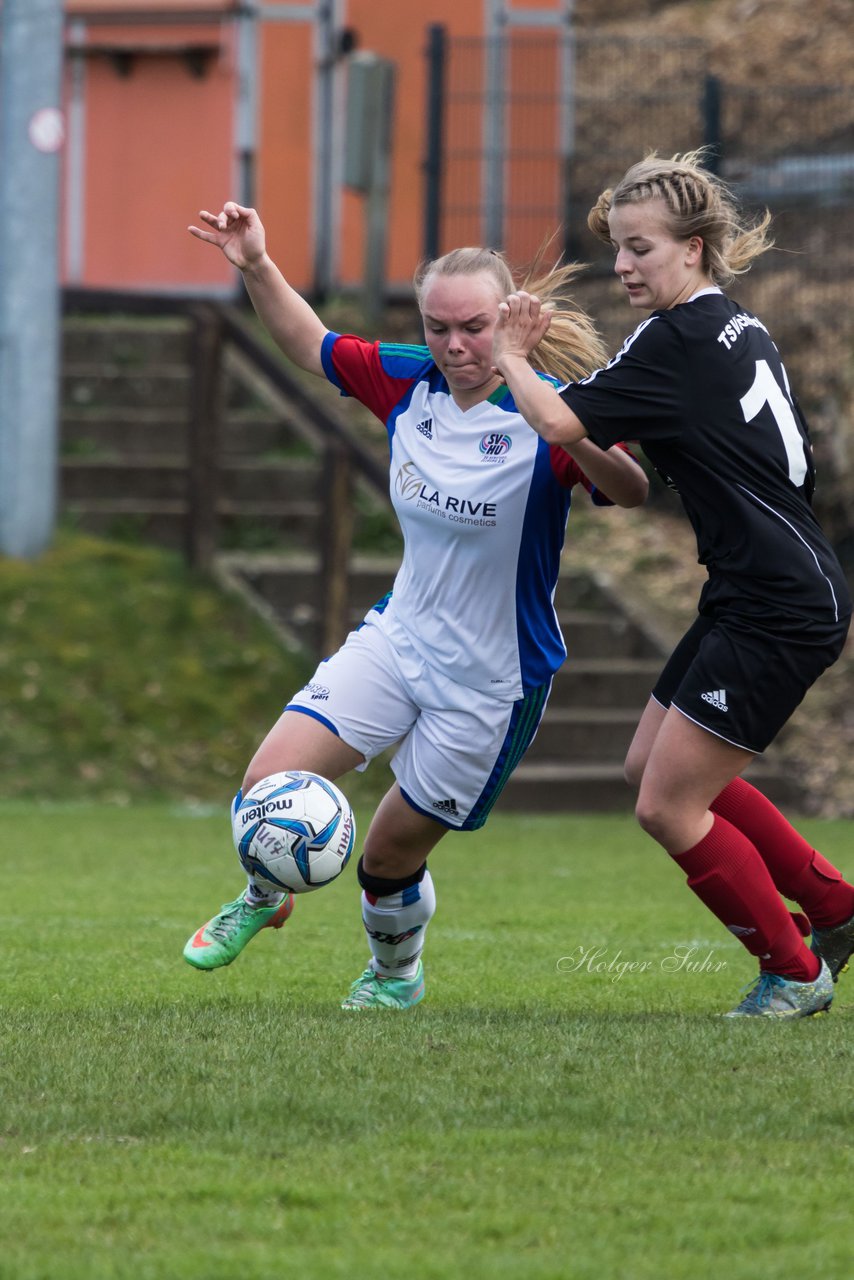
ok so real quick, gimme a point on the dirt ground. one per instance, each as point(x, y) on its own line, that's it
point(791, 42)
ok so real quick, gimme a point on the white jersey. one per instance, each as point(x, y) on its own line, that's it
point(482, 503)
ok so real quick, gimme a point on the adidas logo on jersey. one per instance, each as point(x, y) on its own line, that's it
point(716, 698)
point(425, 427)
point(447, 806)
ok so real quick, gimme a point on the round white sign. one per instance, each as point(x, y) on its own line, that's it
point(47, 129)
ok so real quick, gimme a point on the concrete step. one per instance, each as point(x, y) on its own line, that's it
point(576, 761)
point(262, 485)
point(582, 733)
point(165, 385)
point(617, 647)
point(558, 787)
point(139, 432)
point(165, 522)
point(286, 584)
point(579, 600)
point(124, 341)
point(562, 786)
point(605, 682)
point(604, 633)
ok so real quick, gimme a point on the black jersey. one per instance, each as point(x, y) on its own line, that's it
point(703, 389)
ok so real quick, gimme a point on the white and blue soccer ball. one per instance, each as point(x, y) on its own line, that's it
point(294, 831)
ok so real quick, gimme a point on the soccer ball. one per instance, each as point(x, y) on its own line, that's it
point(293, 830)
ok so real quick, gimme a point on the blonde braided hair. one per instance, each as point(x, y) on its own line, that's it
point(698, 204)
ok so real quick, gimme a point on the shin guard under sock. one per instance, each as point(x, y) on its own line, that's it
point(728, 875)
point(395, 914)
point(799, 871)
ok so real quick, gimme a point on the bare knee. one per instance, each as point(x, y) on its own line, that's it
point(652, 817)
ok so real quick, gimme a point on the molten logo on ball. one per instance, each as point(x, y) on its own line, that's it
point(294, 831)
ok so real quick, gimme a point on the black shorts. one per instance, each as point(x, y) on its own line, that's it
point(742, 682)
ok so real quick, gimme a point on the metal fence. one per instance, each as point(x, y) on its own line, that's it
point(531, 127)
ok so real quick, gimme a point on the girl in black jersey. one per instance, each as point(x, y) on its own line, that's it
point(701, 385)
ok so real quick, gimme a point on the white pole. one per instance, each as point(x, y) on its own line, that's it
point(31, 135)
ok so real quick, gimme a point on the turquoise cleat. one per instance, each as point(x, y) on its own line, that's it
point(372, 991)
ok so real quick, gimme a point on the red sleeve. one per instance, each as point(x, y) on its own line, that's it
point(355, 366)
point(566, 469)
point(568, 473)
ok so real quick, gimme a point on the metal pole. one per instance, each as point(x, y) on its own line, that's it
point(326, 24)
point(494, 134)
point(31, 135)
point(381, 115)
point(248, 92)
point(566, 125)
point(712, 133)
point(437, 52)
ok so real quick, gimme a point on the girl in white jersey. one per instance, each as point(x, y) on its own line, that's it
point(455, 665)
point(700, 384)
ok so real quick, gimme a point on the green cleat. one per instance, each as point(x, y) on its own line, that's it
point(835, 946)
point(774, 997)
point(223, 938)
point(372, 991)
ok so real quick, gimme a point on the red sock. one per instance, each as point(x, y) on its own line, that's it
point(728, 875)
point(800, 872)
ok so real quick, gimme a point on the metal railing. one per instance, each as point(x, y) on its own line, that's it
point(345, 460)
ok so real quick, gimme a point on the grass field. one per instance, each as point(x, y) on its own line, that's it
point(564, 1104)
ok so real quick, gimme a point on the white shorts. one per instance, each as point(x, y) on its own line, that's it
point(456, 746)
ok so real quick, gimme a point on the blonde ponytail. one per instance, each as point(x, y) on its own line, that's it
point(571, 348)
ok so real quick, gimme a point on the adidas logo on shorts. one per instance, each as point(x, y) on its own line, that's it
point(447, 806)
point(717, 698)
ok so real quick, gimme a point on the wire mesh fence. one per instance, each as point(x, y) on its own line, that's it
point(535, 126)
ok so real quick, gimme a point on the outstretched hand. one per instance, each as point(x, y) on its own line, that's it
point(522, 323)
point(237, 231)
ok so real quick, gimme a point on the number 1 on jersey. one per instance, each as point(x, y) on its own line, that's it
point(766, 390)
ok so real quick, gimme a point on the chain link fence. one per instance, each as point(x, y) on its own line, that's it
point(534, 126)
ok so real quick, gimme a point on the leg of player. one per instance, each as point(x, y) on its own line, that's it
point(687, 768)
point(398, 901)
point(799, 871)
point(643, 741)
point(296, 741)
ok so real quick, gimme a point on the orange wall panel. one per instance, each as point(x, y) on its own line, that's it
point(284, 163)
point(158, 144)
point(151, 137)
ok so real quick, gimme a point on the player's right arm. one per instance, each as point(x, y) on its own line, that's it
point(285, 314)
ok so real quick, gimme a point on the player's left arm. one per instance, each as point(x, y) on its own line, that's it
point(614, 472)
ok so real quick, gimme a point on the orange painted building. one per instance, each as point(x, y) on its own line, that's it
point(174, 105)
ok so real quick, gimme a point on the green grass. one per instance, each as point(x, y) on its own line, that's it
point(533, 1118)
point(124, 675)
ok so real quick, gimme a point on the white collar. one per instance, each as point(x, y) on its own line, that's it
point(703, 293)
